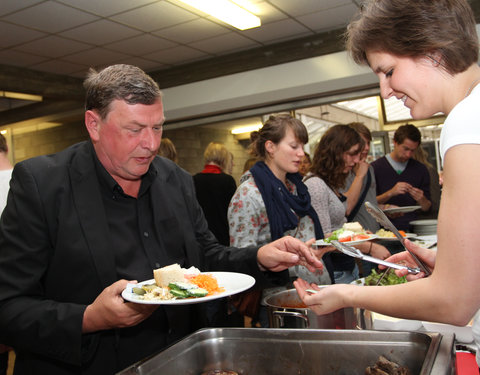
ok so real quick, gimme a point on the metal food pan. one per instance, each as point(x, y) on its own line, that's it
point(258, 351)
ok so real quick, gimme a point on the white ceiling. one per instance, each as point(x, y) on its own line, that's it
point(69, 36)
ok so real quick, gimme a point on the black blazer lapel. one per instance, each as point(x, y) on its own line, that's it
point(89, 205)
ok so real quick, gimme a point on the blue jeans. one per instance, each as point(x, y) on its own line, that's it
point(346, 277)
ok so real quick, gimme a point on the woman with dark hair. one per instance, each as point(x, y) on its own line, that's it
point(425, 52)
point(335, 156)
point(272, 200)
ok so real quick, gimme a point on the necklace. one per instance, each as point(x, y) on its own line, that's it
point(471, 87)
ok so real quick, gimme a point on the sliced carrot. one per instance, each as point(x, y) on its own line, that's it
point(207, 282)
point(402, 233)
point(358, 237)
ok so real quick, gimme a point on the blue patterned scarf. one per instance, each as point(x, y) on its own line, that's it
point(279, 203)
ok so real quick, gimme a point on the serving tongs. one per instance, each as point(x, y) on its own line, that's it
point(355, 253)
point(380, 216)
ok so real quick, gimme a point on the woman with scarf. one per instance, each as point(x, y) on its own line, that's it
point(335, 156)
point(272, 200)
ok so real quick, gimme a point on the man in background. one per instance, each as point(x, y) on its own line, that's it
point(401, 180)
point(5, 172)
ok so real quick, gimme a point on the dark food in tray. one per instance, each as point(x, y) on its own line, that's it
point(385, 367)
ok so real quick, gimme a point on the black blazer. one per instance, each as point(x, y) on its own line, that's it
point(55, 259)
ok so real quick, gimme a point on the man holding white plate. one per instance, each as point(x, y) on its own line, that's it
point(401, 180)
point(83, 223)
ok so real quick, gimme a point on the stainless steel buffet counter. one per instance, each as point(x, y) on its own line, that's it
point(257, 351)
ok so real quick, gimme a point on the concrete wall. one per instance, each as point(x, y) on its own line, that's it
point(189, 142)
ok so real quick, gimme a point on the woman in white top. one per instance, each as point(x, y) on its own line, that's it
point(425, 52)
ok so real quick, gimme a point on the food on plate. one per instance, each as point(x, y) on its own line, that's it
point(385, 367)
point(390, 278)
point(349, 232)
point(169, 274)
point(383, 233)
point(175, 282)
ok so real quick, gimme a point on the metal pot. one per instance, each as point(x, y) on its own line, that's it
point(287, 310)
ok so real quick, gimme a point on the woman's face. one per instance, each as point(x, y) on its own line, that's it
point(410, 80)
point(285, 156)
point(304, 165)
point(351, 157)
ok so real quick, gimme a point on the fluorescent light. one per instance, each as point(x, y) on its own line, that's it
point(246, 129)
point(226, 11)
point(21, 96)
point(3, 132)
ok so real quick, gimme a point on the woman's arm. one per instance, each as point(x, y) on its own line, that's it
point(247, 217)
point(355, 189)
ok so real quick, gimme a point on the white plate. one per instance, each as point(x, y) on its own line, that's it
point(404, 209)
point(407, 235)
point(351, 243)
point(232, 282)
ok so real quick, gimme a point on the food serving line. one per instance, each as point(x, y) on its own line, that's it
point(348, 341)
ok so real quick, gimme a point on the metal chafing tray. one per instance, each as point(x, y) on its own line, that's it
point(258, 351)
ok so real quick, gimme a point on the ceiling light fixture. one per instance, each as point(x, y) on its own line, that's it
point(21, 96)
point(226, 11)
point(246, 129)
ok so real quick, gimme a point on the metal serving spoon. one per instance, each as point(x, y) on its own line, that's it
point(380, 216)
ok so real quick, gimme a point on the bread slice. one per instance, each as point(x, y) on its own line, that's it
point(354, 227)
point(169, 274)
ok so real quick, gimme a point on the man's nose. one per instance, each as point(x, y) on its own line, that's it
point(150, 139)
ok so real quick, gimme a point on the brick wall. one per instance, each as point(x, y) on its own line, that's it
point(41, 142)
point(191, 143)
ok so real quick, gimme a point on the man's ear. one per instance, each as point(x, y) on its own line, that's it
point(92, 123)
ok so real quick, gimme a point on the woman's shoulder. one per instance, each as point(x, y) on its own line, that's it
point(313, 180)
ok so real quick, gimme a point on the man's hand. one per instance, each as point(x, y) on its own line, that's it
point(109, 310)
point(420, 198)
point(287, 252)
point(401, 188)
point(397, 189)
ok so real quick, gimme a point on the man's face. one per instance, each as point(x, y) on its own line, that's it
point(402, 152)
point(127, 140)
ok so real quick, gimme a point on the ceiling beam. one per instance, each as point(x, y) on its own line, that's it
point(52, 110)
point(49, 85)
point(279, 53)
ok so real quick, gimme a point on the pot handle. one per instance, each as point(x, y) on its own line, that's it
point(281, 314)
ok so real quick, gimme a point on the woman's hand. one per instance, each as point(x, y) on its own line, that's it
point(427, 256)
point(326, 300)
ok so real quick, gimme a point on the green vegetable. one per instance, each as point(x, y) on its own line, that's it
point(139, 291)
point(182, 286)
point(185, 290)
point(334, 235)
point(390, 278)
point(179, 293)
point(197, 292)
